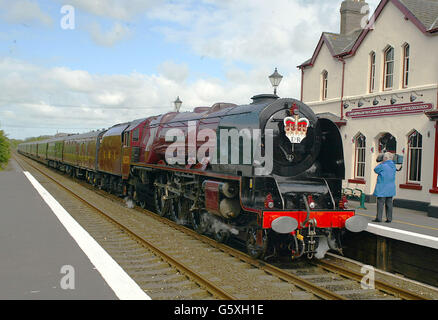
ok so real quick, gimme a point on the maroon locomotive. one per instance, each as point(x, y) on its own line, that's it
point(268, 173)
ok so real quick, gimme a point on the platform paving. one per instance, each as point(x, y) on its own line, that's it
point(407, 225)
point(37, 255)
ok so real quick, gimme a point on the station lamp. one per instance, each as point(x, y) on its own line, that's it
point(275, 79)
point(178, 104)
point(414, 97)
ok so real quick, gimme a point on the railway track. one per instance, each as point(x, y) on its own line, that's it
point(299, 280)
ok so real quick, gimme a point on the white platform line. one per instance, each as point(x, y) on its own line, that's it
point(407, 236)
point(119, 281)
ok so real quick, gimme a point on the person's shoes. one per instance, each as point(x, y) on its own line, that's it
point(375, 220)
point(388, 221)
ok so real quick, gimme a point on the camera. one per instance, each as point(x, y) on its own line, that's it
point(398, 159)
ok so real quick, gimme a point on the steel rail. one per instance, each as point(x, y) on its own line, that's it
point(209, 286)
point(379, 285)
point(268, 268)
point(287, 276)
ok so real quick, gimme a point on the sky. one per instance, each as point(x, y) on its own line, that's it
point(80, 65)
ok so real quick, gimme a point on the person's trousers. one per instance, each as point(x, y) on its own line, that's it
point(387, 203)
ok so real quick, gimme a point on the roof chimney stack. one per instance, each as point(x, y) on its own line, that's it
point(352, 14)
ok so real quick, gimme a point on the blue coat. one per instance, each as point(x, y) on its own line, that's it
point(385, 186)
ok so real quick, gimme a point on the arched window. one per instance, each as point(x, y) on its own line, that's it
point(389, 68)
point(360, 145)
point(324, 85)
point(372, 71)
point(406, 63)
point(415, 148)
point(387, 143)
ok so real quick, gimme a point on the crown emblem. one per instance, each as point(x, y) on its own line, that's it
point(296, 128)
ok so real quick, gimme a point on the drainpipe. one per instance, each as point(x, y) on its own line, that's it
point(343, 83)
point(302, 83)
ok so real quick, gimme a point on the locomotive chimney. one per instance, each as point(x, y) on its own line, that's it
point(352, 15)
point(264, 97)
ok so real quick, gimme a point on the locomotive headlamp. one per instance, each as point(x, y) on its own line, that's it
point(311, 202)
point(269, 202)
point(275, 79)
point(343, 204)
point(178, 104)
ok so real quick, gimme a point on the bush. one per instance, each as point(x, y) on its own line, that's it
point(5, 152)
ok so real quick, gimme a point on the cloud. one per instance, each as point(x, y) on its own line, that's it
point(111, 37)
point(247, 38)
point(39, 100)
point(23, 12)
point(121, 10)
point(174, 71)
point(250, 31)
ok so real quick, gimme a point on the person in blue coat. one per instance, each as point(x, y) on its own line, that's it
point(385, 187)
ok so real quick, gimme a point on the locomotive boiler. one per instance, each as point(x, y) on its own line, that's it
point(268, 173)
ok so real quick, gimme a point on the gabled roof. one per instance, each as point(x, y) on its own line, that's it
point(423, 13)
point(342, 43)
point(336, 43)
point(426, 11)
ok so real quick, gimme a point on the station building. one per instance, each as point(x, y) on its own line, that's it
point(378, 80)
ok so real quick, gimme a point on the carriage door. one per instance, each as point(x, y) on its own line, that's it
point(126, 154)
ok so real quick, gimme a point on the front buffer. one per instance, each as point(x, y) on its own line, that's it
point(312, 233)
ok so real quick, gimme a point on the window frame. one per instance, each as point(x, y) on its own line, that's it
point(324, 93)
point(406, 64)
point(357, 151)
point(418, 148)
point(372, 72)
point(386, 64)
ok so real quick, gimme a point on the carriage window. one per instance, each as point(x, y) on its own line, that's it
point(126, 139)
point(136, 134)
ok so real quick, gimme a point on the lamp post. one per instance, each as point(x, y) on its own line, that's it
point(275, 79)
point(177, 104)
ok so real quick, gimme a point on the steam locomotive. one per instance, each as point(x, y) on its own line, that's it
point(268, 173)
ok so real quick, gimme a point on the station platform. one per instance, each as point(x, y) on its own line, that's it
point(42, 256)
point(407, 225)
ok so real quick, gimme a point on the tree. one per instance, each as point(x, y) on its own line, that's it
point(5, 152)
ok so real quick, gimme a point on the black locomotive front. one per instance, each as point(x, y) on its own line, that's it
point(298, 197)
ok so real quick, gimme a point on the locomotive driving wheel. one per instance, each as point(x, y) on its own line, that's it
point(221, 235)
point(160, 204)
point(182, 210)
point(256, 241)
